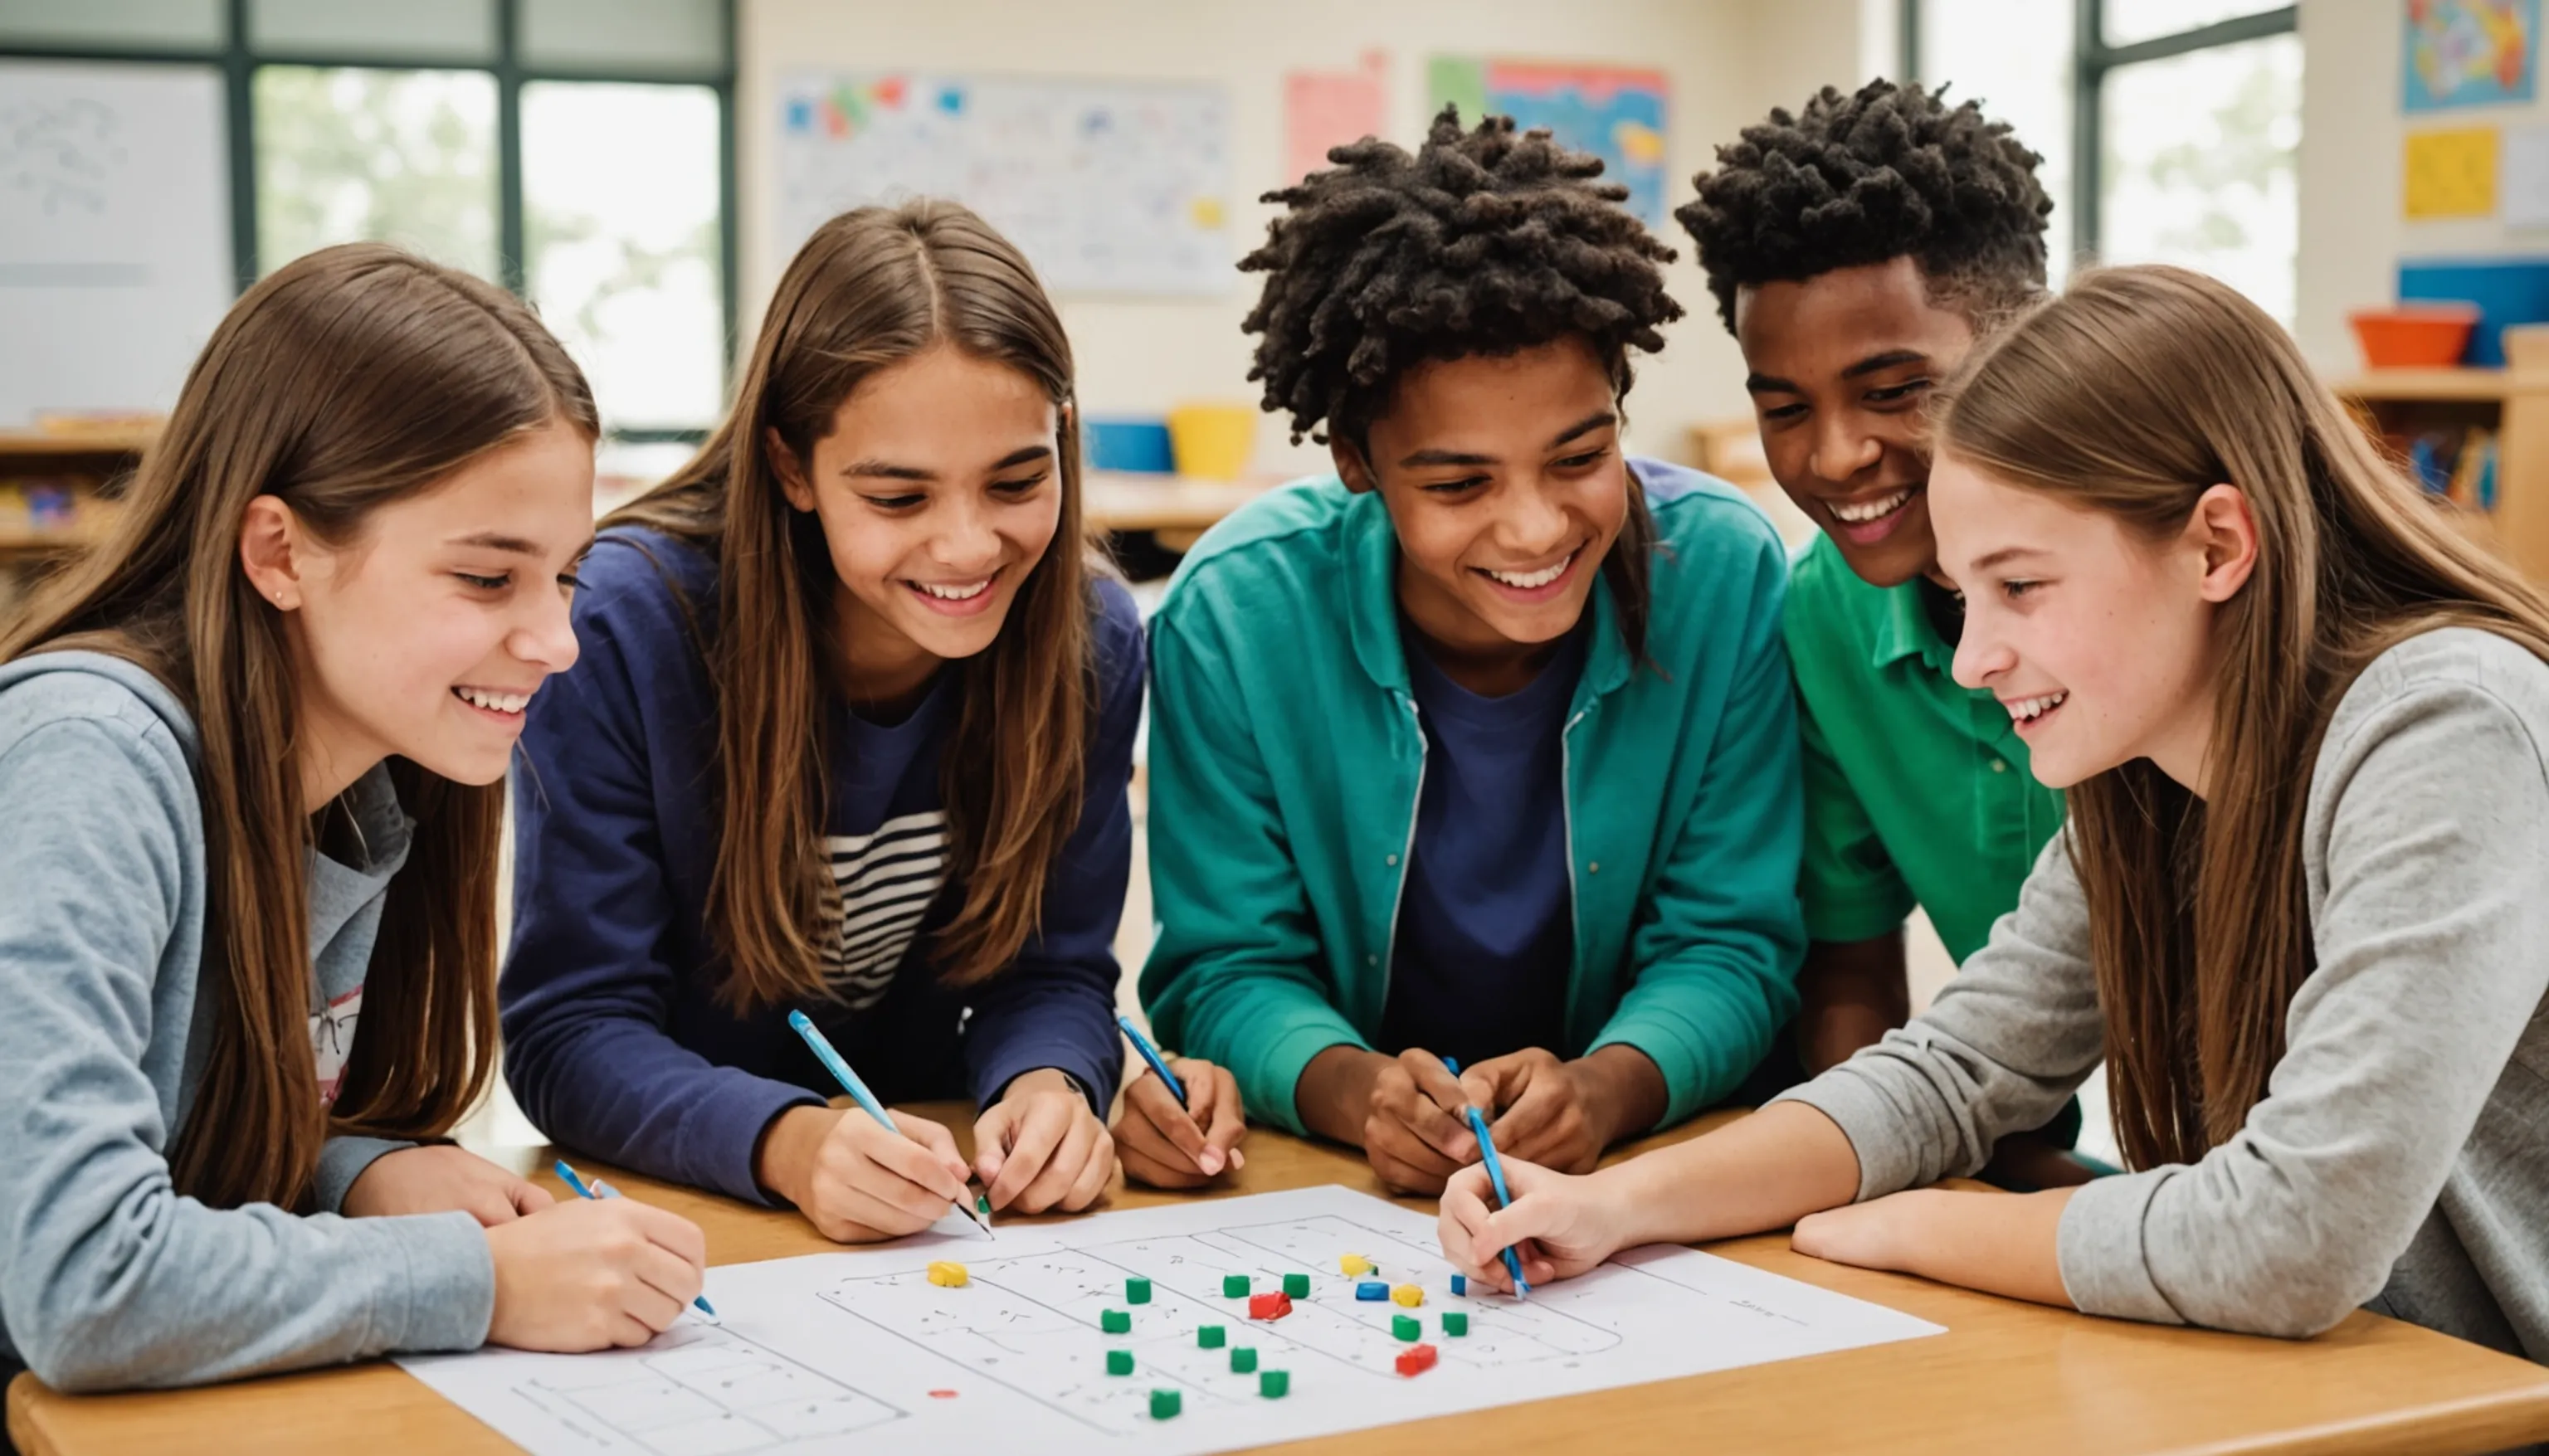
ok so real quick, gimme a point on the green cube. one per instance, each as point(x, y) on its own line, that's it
point(1234, 1285)
point(1119, 1362)
point(1165, 1404)
point(1137, 1290)
point(1243, 1360)
point(1115, 1322)
point(1456, 1322)
point(1209, 1337)
point(1406, 1327)
point(1296, 1286)
point(1273, 1385)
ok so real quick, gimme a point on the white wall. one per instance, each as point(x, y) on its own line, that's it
point(2354, 134)
point(1728, 61)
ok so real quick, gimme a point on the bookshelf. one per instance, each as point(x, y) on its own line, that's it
point(2512, 402)
point(57, 492)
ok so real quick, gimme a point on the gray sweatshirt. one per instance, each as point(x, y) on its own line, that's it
point(108, 1278)
point(2400, 1157)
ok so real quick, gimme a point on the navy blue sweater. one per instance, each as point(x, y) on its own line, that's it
point(615, 1041)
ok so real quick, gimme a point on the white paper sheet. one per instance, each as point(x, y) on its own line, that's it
point(860, 1353)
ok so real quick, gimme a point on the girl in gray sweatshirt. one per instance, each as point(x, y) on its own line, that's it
point(250, 761)
point(2297, 907)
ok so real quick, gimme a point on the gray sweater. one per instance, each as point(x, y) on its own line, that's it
point(2400, 1159)
point(109, 1277)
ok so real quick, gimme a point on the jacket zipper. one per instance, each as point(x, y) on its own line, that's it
point(1406, 858)
point(1566, 822)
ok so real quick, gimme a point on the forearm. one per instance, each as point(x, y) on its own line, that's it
point(1629, 1091)
point(1764, 1171)
point(1333, 1094)
point(2003, 1244)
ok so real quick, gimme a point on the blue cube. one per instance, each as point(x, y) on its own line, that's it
point(1460, 1284)
point(1372, 1289)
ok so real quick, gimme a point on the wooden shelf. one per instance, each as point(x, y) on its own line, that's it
point(2388, 385)
point(22, 448)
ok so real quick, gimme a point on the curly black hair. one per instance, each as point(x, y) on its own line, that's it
point(1485, 241)
point(1889, 172)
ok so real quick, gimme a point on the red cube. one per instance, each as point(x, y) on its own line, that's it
point(1416, 1359)
point(1269, 1305)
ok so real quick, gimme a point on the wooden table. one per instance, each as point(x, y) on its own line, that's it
point(1173, 508)
point(2005, 1377)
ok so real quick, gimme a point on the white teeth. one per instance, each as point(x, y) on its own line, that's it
point(1526, 580)
point(956, 593)
point(2022, 709)
point(1884, 505)
point(499, 702)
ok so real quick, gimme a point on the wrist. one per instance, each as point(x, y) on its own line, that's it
point(1043, 1080)
point(787, 1147)
point(1334, 1093)
point(1629, 1096)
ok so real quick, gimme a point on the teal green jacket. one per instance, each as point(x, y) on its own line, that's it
point(1285, 756)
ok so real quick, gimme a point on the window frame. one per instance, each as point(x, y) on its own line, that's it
point(238, 60)
point(2093, 61)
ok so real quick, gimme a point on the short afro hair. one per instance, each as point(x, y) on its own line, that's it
point(1893, 171)
point(1483, 242)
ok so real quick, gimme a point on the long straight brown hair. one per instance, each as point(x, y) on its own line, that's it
point(870, 289)
point(348, 379)
point(2133, 393)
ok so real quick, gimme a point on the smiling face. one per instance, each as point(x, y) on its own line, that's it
point(938, 489)
point(2096, 639)
point(1840, 365)
point(1506, 487)
point(426, 634)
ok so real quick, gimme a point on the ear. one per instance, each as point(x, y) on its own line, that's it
point(1352, 467)
point(2225, 529)
point(790, 470)
point(270, 551)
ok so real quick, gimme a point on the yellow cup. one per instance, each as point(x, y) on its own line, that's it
point(1212, 443)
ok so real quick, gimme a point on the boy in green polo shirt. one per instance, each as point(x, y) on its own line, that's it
point(1855, 250)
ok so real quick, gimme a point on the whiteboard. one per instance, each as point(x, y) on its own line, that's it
point(1106, 186)
point(115, 232)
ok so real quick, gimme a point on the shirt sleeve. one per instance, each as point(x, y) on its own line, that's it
point(2430, 971)
point(109, 1277)
point(1847, 883)
point(1054, 1007)
point(2002, 1048)
point(588, 983)
point(1236, 975)
point(1719, 938)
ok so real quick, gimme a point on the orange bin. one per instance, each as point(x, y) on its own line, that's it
point(2413, 335)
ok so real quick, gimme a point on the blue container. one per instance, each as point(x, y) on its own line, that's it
point(1139, 444)
point(2507, 291)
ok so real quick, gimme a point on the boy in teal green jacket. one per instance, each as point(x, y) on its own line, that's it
point(1483, 748)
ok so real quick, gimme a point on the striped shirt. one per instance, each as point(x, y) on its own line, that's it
point(883, 884)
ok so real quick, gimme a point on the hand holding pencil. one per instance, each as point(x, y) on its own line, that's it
point(863, 1173)
point(1182, 1124)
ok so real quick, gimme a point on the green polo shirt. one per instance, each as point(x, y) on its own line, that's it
point(1917, 789)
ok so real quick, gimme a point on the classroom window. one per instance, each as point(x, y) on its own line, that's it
point(2170, 128)
point(620, 238)
point(348, 153)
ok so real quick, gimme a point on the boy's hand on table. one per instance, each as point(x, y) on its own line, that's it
point(1561, 1115)
point(1040, 1149)
point(440, 1178)
point(1171, 1146)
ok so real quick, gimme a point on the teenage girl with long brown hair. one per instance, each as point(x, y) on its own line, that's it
point(250, 761)
point(851, 736)
point(2297, 908)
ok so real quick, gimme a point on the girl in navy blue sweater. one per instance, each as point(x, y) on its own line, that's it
point(851, 735)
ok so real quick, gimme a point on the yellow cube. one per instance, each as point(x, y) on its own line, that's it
point(1354, 1264)
point(947, 1274)
point(1408, 1294)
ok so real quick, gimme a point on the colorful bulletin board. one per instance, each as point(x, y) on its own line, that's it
point(1107, 186)
point(1619, 115)
point(2450, 173)
point(2471, 53)
point(1325, 108)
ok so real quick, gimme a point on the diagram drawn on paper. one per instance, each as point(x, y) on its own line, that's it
point(858, 1351)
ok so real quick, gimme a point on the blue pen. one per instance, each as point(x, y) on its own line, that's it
point(821, 1046)
point(1151, 1055)
point(1497, 1176)
point(601, 1189)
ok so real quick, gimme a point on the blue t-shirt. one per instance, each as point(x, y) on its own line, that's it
point(1486, 929)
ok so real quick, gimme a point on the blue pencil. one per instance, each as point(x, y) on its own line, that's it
point(601, 1189)
point(1497, 1176)
point(1151, 1055)
point(821, 1046)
